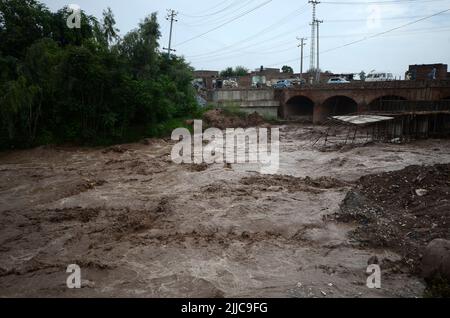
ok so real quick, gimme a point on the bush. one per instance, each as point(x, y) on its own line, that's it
point(81, 86)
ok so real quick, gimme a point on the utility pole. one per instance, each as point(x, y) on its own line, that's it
point(301, 45)
point(318, 52)
point(313, 34)
point(171, 14)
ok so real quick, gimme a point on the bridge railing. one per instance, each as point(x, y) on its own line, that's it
point(376, 85)
point(394, 106)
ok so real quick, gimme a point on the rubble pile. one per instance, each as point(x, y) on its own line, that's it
point(402, 210)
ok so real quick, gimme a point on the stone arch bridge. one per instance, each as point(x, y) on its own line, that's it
point(321, 101)
point(318, 102)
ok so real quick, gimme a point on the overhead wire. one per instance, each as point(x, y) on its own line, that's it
point(213, 13)
point(223, 18)
point(375, 2)
point(266, 30)
point(225, 23)
point(371, 36)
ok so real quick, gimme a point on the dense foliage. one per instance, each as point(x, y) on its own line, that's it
point(236, 72)
point(287, 69)
point(85, 85)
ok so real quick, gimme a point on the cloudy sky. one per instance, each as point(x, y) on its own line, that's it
point(214, 34)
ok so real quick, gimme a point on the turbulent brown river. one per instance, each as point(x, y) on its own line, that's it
point(139, 225)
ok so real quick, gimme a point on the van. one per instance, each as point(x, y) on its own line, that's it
point(379, 77)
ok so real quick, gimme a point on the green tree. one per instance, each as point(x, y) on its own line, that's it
point(237, 71)
point(22, 23)
point(287, 69)
point(228, 72)
point(140, 48)
point(110, 32)
point(240, 71)
point(85, 85)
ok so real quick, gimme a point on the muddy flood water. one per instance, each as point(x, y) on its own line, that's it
point(139, 225)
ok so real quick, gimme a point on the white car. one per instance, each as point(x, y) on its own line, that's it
point(337, 80)
point(379, 77)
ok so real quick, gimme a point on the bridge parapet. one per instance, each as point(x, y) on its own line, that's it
point(375, 85)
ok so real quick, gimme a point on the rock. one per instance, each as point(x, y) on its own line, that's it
point(421, 192)
point(436, 259)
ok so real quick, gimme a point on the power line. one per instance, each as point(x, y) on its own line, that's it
point(387, 31)
point(313, 34)
point(363, 20)
point(291, 47)
point(301, 45)
point(220, 19)
point(210, 56)
point(223, 24)
point(171, 14)
point(277, 36)
point(270, 28)
point(213, 13)
point(377, 2)
point(214, 7)
point(415, 31)
point(318, 65)
point(371, 36)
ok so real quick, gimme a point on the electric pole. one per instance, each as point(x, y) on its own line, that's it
point(301, 45)
point(171, 14)
point(318, 52)
point(313, 34)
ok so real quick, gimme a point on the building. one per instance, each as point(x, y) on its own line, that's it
point(264, 76)
point(427, 71)
point(206, 77)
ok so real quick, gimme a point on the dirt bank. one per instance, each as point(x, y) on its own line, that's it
point(220, 118)
point(402, 210)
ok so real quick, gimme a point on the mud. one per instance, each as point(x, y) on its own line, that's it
point(219, 118)
point(402, 210)
point(139, 225)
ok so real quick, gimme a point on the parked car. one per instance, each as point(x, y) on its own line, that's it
point(282, 84)
point(337, 80)
point(298, 81)
point(379, 77)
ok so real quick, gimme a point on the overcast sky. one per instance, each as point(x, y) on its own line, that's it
point(267, 35)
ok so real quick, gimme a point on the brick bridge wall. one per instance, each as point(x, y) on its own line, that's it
point(361, 94)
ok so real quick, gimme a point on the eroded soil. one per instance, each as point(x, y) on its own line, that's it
point(139, 225)
point(402, 210)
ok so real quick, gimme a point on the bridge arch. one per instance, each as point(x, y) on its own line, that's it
point(299, 107)
point(338, 105)
point(384, 102)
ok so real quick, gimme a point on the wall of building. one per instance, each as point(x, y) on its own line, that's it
point(261, 101)
point(207, 77)
point(422, 71)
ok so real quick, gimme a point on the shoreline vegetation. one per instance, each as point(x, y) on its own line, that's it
point(86, 86)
